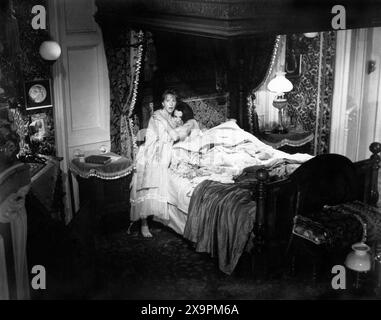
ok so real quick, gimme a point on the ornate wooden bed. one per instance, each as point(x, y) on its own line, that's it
point(277, 203)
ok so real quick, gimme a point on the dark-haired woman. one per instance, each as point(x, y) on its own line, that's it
point(185, 121)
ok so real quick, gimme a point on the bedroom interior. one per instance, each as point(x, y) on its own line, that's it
point(117, 57)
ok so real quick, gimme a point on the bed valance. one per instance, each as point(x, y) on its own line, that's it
point(232, 18)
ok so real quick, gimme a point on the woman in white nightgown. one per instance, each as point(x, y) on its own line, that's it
point(149, 193)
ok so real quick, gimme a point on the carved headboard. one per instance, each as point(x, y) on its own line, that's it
point(209, 111)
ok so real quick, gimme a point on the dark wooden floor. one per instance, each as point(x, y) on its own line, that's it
point(127, 266)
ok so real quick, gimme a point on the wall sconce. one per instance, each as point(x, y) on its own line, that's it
point(311, 34)
point(50, 50)
point(280, 84)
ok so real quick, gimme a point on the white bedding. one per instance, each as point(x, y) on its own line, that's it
point(180, 192)
point(217, 154)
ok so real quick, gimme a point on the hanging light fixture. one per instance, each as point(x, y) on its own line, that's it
point(50, 50)
point(279, 85)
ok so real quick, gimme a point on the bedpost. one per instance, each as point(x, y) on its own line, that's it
point(375, 148)
point(259, 226)
point(259, 260)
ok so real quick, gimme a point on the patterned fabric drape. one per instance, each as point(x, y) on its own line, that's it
point(310, 105)
point(122, 52)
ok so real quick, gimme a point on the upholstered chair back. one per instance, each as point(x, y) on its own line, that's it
point(326, 179)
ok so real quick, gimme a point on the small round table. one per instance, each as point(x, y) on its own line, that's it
point(103, 188)
point(119, 167)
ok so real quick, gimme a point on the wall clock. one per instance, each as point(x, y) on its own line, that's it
point(37, 94)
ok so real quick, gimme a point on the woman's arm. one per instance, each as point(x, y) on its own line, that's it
point(186, 129)
point(182, 132)
point(167, 122)
point(168, 125)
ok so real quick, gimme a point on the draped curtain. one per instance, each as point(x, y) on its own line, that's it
point(123, 53)
point(261, 67)
point(262, 56)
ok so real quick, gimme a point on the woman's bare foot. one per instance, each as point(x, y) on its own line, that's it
point(145, 230)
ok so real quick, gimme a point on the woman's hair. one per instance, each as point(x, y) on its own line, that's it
point(167, 92)
point(186, 110)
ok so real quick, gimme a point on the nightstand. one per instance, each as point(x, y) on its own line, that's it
point(292, 142)
point(103, 188)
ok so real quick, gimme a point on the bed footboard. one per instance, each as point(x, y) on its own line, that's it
point(367, 171)
point(276, 204)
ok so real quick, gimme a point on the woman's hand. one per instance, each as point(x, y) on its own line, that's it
point(169, 123)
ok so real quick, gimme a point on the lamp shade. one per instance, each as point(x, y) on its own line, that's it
point(359, 259)
point(50, 50)
point(280, 84)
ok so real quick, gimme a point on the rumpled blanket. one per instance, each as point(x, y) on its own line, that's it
point(226, 149)
point(220, 219)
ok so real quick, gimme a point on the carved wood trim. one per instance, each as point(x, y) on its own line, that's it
point(228, 18)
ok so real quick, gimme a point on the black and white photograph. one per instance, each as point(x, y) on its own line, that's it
point(167, 151)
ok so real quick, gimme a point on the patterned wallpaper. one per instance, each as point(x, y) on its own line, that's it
point(326, 96)
point(25, 64)
point(303, 107)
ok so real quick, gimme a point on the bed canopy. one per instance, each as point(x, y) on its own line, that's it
point(223, 45)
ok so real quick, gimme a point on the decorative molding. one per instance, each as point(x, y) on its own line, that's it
point(197, 26)
point(221, 19)
point(75, 23)
point(377, 131)
point(91, 116)
point(339, 105)
point(59, 110)
point(356, 86)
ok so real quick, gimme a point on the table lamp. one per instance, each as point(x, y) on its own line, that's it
point(280, 84)
point(359, 260)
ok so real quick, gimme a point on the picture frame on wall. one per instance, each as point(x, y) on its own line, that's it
point(293, 65)
point(293, 59)
point(38, 94)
